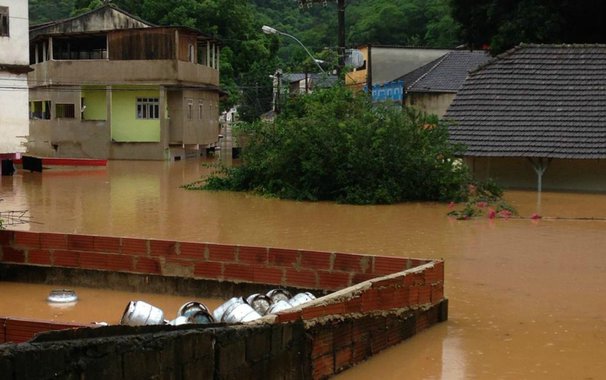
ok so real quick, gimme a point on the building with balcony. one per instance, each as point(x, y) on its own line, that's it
point(14, 65)
point(107, 84)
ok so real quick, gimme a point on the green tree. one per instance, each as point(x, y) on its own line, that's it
point(402, 22)
point(45, 10)
point(502, 24)
point(335, 145)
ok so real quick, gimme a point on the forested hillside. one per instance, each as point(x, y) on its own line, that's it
point(248, 56)
point(385, 22)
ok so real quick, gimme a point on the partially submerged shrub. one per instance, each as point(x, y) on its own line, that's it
point(483, 198)
point(335, 145)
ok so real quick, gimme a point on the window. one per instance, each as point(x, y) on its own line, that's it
point(40, 110)
point(80, 47)
point(67, 111)
point(190, 109)
point(148, 108)
point(200, 110)
point(4, 31)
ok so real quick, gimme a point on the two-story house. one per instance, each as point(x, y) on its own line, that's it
point(14, 65)
point(107, 84)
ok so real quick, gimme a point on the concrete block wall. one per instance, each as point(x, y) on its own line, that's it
point(161, 352)
point(373, 302)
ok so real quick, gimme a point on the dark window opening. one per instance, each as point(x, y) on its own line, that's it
point(67, 111)
point(73, 48)
point(40, 110)
point(37, 52)
point(4, 30)
point(190, 110)
point(202, 54)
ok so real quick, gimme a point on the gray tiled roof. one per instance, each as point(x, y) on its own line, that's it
point(319, 80)
point(445, 74)
point(535, 101)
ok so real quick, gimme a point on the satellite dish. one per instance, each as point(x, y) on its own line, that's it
point(354, 58)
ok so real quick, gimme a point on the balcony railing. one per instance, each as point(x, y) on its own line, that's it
point(105, 72)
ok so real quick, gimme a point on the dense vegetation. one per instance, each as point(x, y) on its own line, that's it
point(334, 145)
point(502, 24)
point(248, 56)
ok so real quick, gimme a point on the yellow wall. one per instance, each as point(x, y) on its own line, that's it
point(357, 78)
point(95, 102)
point(125, 125)
point(570, 175)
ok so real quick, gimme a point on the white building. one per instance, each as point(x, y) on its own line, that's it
point(14, 66)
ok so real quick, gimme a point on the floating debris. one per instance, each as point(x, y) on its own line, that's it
point(259, 302)
point(281, 305)
point(62, 296)
point(139, 313)
point(235, 310)
point(279, 295)
point(301, 298)
point(239, 311)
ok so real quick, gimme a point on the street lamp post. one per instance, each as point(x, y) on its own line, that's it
point(269, 30)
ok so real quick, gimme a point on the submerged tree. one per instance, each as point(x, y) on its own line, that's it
point(336, 145)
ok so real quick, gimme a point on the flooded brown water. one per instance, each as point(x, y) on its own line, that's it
point(22, 300)
point(526, 297)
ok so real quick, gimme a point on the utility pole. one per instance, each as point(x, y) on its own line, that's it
point(340, 31)
point(279, 79)
point(369, 69)
point(341, 34)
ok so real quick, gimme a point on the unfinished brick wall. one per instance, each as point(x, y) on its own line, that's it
point(373, 302)
point(21, 330)
point(272, 266)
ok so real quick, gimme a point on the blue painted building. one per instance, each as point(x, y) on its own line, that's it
point(390, 91)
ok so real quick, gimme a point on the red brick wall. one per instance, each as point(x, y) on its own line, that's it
point(380, 300)
point(236, 263)
point(17, 330)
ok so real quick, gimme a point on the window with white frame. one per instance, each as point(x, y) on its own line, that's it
point(148, 108)
point(4, 30)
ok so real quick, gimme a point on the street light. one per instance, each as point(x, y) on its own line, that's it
point(269, 30)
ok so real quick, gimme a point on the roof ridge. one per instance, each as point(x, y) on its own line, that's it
point(106, 5)
point(523, 45)
point(430, 70)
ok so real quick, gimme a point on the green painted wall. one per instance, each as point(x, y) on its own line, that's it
point(125, 125)
point(94, 100)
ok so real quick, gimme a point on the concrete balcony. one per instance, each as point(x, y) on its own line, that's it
point(106, 72)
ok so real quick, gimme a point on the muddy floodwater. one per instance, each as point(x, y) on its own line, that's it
point(527, 297)
point(22, 300)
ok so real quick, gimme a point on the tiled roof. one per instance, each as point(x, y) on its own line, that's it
point(535, 101)
point(319, 80)
point(445, 74)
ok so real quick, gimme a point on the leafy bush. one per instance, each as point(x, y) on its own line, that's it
point(483, 198)
point(336, 145)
